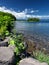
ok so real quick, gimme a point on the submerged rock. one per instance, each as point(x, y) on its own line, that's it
point(31, 61)
point(31, 46)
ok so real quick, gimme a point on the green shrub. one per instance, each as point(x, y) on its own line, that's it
point(19, 46)
point(17, 51)
point(2, 31)
point(11, 41)
point(7, 33)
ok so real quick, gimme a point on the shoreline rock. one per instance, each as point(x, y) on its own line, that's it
point(4, 42)
point(7, 56)
point(31, 61)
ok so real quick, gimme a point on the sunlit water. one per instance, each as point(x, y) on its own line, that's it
point(38, 32)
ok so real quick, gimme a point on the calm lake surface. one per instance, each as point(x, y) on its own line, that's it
point(38, 32)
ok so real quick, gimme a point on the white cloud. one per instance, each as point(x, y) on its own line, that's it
point(16, 14)
point(26, 10)
point(23, 14)
point(32, 11)
point(29, 11)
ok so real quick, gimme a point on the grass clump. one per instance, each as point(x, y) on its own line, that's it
point(41, 56)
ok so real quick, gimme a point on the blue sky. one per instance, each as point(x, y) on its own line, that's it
point(28, 8)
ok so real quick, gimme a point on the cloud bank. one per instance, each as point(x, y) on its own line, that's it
point(23, 14)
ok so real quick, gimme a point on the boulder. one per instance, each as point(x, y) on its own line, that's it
point(31, 61)
point(7, 56)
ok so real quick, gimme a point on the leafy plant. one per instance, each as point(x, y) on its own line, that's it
point(7, 33)
point(19, 46)
point(17, 51)
point(2, 31)
point(11, 41)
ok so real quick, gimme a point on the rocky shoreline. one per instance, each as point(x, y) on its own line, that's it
point(7, 56)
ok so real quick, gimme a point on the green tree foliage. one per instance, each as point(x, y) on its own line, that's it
point(33, 19)
point(6, 22)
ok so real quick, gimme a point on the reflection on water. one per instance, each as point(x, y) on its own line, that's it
point(40, 28)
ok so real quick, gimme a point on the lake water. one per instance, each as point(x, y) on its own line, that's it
point(38, 32)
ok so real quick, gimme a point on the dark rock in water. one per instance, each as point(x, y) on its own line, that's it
point(34, 45)
point(41, 42)
point(30, 46)
point(5, 42)
point(7, 56)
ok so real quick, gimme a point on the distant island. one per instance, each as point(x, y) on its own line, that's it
point(33, 19)
point(29, 19)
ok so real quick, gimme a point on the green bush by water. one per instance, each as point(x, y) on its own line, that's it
point(6, 23)
point(18, 42)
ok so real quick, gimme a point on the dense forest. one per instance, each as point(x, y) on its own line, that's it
point(33, 19)
point(6, 22)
